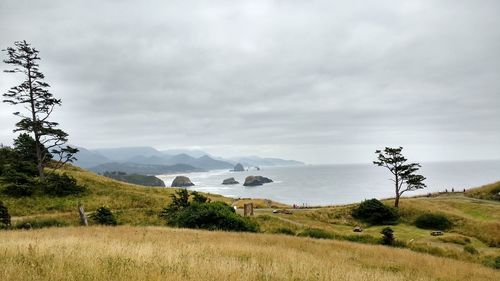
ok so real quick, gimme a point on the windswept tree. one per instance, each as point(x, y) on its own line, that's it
point(405, 178)
point(34, 96)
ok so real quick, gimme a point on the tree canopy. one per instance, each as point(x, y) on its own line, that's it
point(405, 177)
point(38, 103)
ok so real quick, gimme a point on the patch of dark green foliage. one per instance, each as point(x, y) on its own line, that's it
point(61, 185)
point(104, 216)
point(433, 221)
point(39, 223)
point(200, 213)
point(316, 233)
point(4, 216)
point(387, 236)
point(376, 213)
point(284, 230)
point(19, 175)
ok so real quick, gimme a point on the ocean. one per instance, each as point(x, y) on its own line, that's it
point(314, 185)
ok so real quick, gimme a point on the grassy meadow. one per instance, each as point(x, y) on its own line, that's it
point(159, 253)
point(142, 247)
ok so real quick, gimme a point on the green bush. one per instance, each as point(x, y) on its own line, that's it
point(39, 223)
point(387, 236)
point(4, 216)
point(433, 221)
point(211, 216)
point(284, 230)
point(61, 185)
point(375, 212)
point(103, 216)
point(18, 184)
point(316, 233)
point(368, 239)
point(470, 249)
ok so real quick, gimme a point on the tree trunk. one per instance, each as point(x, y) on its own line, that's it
point(83, 217)
point(396, 202)
point(35, 127)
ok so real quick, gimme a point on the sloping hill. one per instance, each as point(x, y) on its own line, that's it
point(127, 199)
point(488, 192)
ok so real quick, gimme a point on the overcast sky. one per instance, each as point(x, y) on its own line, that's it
point(318, 81)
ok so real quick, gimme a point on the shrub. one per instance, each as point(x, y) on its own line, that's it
point(375, 212)
point(316, 233)
point(40, 223)
point(470, 249)
point(103, 216)
point(4, 215)
point(199, 198)
point(284, 230)
point(433, 221)
point(368, 239)
point(180, 200)
point(387, 236)
point(18, 184)
point(211, 216)
point(61, 185)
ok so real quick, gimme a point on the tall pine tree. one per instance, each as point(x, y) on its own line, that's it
point(33, 94)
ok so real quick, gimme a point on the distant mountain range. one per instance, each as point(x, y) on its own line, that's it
point(148, 160)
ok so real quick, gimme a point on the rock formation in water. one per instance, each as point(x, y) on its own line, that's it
point(238, 168)
point(181, 181)
point(230, 181)
point(256, 180)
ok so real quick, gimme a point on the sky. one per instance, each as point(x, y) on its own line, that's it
point(317, 81)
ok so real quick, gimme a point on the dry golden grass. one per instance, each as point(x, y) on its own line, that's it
point(155, 253)
point(489, 191)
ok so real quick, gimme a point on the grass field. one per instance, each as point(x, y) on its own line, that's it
point(158, 253)
point(256, 256)
point(476, 223)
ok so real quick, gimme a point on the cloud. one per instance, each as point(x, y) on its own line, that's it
point(314, 80)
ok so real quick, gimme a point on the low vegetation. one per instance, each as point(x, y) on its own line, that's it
point(375, 212)
point(103, 216)
point(200, 213)
point(433, 221)
point(4, 216)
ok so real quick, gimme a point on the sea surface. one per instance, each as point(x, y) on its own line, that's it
point(315, 185)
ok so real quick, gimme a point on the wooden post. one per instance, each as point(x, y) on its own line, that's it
point(248, 209)
point(83, 217)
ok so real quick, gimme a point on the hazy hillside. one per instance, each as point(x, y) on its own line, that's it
point(87, 158)
point(145, 169)
point(125, 153)
point(90, 158)
point(258, 161)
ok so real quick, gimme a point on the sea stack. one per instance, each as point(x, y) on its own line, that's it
point(230, 181)
point(182, 181)
point(256, 180)
point(238, 168)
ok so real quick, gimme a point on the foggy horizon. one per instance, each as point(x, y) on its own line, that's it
point(317, 82)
